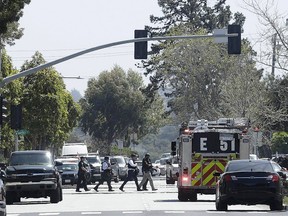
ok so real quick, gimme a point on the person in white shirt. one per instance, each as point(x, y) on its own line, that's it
point(132, 173)
point(106, 174)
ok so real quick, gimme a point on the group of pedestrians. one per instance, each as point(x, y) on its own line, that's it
point(106, 174)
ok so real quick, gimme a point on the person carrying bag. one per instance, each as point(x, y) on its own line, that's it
point(106, 174)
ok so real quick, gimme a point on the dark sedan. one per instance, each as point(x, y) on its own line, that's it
point(250, 182)
point(69, 172)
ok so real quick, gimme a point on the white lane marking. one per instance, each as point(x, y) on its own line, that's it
point(49, 214)
point(13, 214)
point(174, 212)
point(132, 212)
point(91, 213)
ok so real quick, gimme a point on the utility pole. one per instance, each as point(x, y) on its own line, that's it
point(274, 39)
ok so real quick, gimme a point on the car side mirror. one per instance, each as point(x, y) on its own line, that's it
point(113, 163)
point(283, 175)
point(216, 174)
point(58, 163)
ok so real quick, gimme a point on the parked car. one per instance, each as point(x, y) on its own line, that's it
point(114, 167)
point(161, 167)
point(154, 171)
point(166, 155)
point(122, 168)
point(95, 167)
point(250, 182)
point(69, 172)
point(172, 170)
point(163, 162)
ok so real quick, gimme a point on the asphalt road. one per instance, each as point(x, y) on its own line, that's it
point(131, 202)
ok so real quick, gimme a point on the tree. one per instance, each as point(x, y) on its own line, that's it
point(11, 12)
point(203, 81)
point(115, 108)
point(12, 92)
point(191, 16)
point(49, 111)
point(275, 57)
point(273, 32)
point(280, 142)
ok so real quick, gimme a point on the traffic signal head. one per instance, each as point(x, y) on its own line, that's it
point(234, 43)
point(140, 48)
point(173, 148)
point(3, 110)
point(16, 117)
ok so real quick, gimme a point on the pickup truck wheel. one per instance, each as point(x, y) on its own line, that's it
point(61, 194)
point(276, 205)
point(55, 195)
point(9, 198)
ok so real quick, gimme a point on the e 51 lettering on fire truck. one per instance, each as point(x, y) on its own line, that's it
point(205, 147)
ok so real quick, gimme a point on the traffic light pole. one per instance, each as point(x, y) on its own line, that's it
point(49, 64)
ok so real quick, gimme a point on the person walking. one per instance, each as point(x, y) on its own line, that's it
point(82, 170)
point(106, 174)
point(132, 173)
point(147, 168)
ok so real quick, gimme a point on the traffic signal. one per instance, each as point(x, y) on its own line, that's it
point(173, 148)
point(140, 48)
point(16, 117)
point(234, 43)
point(3, 110)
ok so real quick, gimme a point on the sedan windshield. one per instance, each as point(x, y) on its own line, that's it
point(249, 166)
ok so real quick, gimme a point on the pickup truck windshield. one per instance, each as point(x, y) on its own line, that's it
point(31, 159)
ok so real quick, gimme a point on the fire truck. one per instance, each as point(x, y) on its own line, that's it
point(204, 147)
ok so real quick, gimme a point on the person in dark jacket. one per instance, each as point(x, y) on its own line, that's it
point(106, 174)
point(132, 173)
point(82, 170)
point(147, 168)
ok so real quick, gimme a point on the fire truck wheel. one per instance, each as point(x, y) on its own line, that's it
point(182, 196)
point(193, 196)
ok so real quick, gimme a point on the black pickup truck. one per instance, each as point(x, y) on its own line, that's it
point(32, 174)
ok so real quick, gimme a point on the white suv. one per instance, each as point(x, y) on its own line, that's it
point(172, 170)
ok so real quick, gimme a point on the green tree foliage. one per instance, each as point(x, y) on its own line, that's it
point(277, 100)
point(49, 111)
point(280, 142)
point(203, 81)
point(12, 93)
point(115, 108)
point(10, 13)
point(191, 16)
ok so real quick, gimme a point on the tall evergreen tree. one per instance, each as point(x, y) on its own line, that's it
point(10, 13)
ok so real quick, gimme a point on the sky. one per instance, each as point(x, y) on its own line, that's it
point(57, 28)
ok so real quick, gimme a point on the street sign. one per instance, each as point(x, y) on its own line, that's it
point(23, 132)
point(223, 39)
